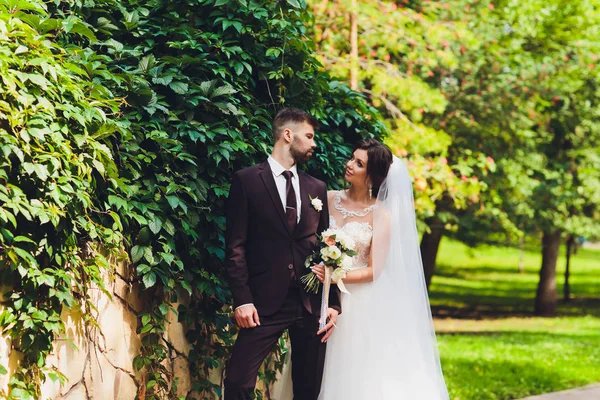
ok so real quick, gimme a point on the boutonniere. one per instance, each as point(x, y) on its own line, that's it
point(316, 203)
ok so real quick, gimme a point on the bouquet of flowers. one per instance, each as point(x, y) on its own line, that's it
point(335, 251)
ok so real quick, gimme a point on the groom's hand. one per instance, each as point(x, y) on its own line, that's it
point(332, 316)
point(247, 316)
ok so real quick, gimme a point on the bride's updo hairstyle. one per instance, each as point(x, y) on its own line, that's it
point(378, 164)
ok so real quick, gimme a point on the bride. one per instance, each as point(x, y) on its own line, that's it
point(384, 344)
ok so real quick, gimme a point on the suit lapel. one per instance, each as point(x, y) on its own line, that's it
point(266, 175)
point(305, 207)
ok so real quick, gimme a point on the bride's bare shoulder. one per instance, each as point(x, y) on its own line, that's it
point(331, 196)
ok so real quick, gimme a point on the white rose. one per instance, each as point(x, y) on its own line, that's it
point(317, 204)
point(334, 252)
point(338, 275)
point(346, 262)
point(325, 253)
point(328, 232)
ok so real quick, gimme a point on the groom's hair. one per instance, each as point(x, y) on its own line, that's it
point(291, 115)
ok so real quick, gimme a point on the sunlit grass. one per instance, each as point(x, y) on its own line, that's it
point(493, 348)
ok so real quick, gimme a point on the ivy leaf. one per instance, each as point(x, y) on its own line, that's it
point(168, 257)
point(238, 67)
point(294, 3)
point(21, 49)
point(163, 80)
point(118, 202)
point(137, 252)
point(146, 63)
point(149, 279)
point(148, 255)
point(144, 235)
point(173, 201)
point(275, 52)
point(155, 225)
point(83, 30)
point(186, 286)
point(179, 87)
point(23, 239)
point(164, 309)
point(169, 227)
point(26, 255)
point(219, 3)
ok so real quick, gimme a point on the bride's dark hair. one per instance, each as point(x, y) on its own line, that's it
point(378, 164)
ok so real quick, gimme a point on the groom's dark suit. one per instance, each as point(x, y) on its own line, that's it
point(265, 258)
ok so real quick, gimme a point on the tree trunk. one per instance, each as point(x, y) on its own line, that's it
point(567, 286)
point(430, 245)
point(545, 299)
point(353, 46)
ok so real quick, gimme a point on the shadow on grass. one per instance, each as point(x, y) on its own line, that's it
point(492, 308)
point(449, 271)
point(473, 295)
point(503, 300)
point(529, 338)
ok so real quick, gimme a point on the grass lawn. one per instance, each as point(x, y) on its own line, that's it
point(491, 346)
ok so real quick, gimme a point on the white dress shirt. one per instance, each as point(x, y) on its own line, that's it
point(281, 183)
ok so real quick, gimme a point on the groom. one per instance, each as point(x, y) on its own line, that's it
point(272, 221)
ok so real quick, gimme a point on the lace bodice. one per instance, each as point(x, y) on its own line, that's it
point(362, 233)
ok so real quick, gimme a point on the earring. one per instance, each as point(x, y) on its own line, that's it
point(370, 190)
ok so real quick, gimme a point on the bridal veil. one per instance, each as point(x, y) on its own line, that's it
point(400, 321)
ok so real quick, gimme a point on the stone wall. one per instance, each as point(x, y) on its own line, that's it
point(99, 362)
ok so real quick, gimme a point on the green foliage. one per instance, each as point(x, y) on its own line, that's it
point(547, 145)
point(404, 56)
point(492, 103)
point(55, 129)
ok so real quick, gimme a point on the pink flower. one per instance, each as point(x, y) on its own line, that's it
point(329, 241)
point(490, 160)
point(444, 160)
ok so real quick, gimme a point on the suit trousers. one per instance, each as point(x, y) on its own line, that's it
point(253, 345)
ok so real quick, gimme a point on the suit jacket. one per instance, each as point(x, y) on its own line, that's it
point(262, 251)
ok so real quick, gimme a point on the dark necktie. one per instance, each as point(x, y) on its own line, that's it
point(290, 195)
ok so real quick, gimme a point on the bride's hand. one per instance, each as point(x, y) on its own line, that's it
point(319, 271)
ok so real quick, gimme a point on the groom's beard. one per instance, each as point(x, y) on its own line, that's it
point(299, 155)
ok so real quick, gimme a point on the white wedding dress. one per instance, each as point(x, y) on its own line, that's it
point(384, 345)
point(371, 355)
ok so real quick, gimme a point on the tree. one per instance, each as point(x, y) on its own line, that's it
point(565, 193)
point(409, 59)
